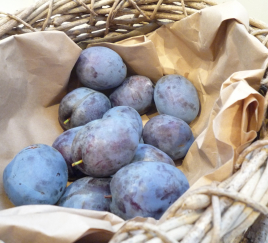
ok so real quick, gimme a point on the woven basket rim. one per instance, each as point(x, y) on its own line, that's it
point(86, 21)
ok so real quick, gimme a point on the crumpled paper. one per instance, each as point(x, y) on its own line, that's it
point(212, 48)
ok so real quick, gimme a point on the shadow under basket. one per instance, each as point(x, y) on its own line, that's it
point(220, 212)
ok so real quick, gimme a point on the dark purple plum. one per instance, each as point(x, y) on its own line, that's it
point(146, 189)
point(100, 68)
point(63, 143)
point(104, 146)
point(147, 152)
point(176, 96)
point(128, 113)
point(78, 142)
point(38, 174)
point(87, 193)
point(170, 134)
point(136, 91)
point(81, 106)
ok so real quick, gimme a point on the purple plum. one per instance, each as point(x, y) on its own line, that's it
point(81, 106)
point(176, 96)
point(146, 189)
point(100, 68)
point(136, 91)
point(170, 134)
point(147, 152)
point(129, 113)
point(63, 143)
point(104, 146)
point(87, 193)
point(38, 174)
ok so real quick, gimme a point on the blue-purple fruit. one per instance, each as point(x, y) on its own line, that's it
point(129, 113)
point(146, 189)
point(87, 193)
point(63, 143)
point(100, 68)
point(170, 134)
point(104, 145)
point(147, 152)
point(136, 91)
point(38, 174)
point(81, 106)
point(176, 96)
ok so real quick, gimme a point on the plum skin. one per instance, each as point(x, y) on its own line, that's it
point(170, 134)
point(87, 193)
point(100, 68)
point(38, 174)
point(81, 106)
point(105, 145)
point(63, 143)
point(136, 91)
point(176, 96)
point(146, 189)
point(126, 112)
point(147, 152)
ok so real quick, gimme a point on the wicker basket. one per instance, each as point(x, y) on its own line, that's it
point(220, 212)
point(107, 20)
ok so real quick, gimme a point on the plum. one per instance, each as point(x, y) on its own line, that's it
point(100, 68)
point(146, 189)
point(147, 152)
point(176, 96)
point(104, 145)
point(87, 193)
point(63, 143)
point(129, 113)
point(136, 91)
point(170, 134)
point(81, 106)
point(38, 174)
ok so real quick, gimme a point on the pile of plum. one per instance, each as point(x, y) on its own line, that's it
point(115, 163)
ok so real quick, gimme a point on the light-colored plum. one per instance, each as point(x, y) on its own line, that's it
point(37, 175)
point(176, 96)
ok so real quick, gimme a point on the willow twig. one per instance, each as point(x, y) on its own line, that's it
point(50, 8)
point(110, 15)
point(137, 7)
point(249, 149)
point(19, 20)
point(156, 9)
point(87, 8)
point(91, 21)
point(99, 33)
point(97, 4)
point(183, 8)
point(139, 31)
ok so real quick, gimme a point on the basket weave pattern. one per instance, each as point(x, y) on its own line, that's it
point(106, 20)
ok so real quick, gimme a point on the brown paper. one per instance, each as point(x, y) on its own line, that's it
point(212, 48)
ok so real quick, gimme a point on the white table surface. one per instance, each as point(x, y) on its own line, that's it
point(256, 8)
